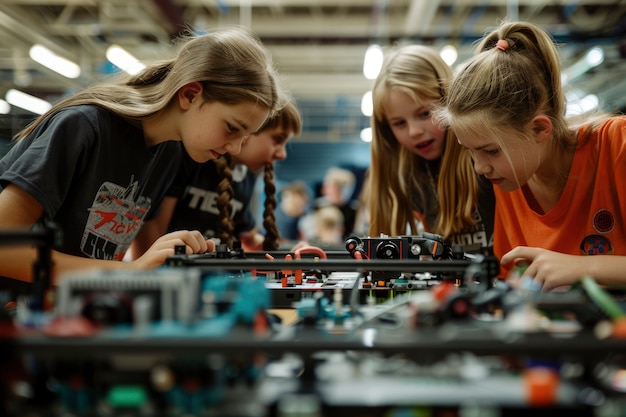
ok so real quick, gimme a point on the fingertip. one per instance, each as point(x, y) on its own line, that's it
point(506, 261)
point(521, 262)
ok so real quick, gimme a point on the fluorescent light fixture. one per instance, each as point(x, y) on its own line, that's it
point(449, 54)
point(27, 102)
point(591, 59)
point(367, 105)
point(119, 57)
point(366, 135)
point(373, 62)
point(583, 105)
point(5, 107)
point(56, 63)
point(594, 56)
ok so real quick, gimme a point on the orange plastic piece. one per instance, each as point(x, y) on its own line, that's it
point(307, 249)
point(619, 328)
point(541, 385)
point(443, 290)
point(288, 272)
point(260, 324)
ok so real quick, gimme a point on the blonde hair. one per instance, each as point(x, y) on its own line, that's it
point(339, 177)
point(329, 225)
point(231, 63)
point(499, 91)
point(328, 218)
point(397, 176)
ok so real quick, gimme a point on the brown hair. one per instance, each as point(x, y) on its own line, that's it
point(269, 219)
point(230, 62)
point(225, 193)
point(287, 118)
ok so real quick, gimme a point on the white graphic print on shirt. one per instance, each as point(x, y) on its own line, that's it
point(115, 217)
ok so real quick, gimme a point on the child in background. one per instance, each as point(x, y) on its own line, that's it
point(329, 228)
point(420, 178)
point(216, 195)
point(294, 203)
point(559, 191)
point(99, 162)
point(362, 217)
point(337, 188)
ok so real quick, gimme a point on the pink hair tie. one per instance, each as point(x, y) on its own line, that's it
point(502, 45)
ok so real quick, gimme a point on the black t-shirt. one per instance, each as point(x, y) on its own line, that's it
point(196, 189)
point(94, 176)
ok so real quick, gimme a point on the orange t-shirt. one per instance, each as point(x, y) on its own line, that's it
point(589, 218)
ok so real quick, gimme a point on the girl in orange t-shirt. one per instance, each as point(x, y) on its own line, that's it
point(560, 185)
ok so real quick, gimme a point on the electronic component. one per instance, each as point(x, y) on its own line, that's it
point(426, 247)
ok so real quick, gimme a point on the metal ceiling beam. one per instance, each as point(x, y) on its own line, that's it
point(12, 21)
point(420, 16)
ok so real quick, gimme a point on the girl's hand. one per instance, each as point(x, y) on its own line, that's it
point(548, 268)
point(165, 246)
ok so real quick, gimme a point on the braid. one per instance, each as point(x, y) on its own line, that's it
point(269, 220)
point(224, 196)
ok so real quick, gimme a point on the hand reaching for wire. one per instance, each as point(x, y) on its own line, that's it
point(548, 268)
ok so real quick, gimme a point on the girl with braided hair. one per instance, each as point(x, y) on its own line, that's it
point(215, 196)
point(557, 179)
point(231, 189)
point(99, 163)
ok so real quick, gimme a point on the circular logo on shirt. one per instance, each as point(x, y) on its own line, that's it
point(603, 221)
point(596, 245)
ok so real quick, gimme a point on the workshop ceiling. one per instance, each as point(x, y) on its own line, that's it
point(318, 45)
